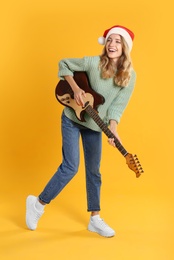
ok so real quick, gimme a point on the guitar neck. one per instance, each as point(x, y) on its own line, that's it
point(92, 113)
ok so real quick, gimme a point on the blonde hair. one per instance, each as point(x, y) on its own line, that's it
point(121, 71)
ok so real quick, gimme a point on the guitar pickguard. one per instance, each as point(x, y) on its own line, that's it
point(66, 100)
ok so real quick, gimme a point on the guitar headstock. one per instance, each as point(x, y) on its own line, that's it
point(134, 164)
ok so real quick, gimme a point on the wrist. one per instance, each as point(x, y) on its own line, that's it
point(113, 125)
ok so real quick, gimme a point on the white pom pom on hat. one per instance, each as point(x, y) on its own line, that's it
point(127, 34)
point(101, 40)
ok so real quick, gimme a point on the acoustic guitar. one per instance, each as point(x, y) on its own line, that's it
point(65, 96)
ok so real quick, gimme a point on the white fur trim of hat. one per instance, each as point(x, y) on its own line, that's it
point(123, 31)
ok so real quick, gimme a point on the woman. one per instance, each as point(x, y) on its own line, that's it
point(111, 75)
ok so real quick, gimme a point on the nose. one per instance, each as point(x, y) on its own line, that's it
point(111, 43)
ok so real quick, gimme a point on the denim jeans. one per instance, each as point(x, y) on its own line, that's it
point(91, 141)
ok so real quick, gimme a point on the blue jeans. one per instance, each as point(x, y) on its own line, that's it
point(91, 141)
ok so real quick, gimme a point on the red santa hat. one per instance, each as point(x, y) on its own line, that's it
point(127, 34)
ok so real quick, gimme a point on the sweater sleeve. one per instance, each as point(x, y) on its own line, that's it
point(119, 104)
point(68, 66)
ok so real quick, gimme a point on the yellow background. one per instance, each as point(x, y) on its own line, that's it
point(35, 35)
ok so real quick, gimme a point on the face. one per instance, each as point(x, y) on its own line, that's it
point(114, 46)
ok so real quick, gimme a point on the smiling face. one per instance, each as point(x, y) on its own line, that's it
point(114, 46)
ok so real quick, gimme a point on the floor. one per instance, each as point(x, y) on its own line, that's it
point(143, 221)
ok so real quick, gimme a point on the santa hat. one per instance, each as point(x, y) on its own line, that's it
point(127, 34)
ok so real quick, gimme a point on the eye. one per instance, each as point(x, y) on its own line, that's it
point(108, 39)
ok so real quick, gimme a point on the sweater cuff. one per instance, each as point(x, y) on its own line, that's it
point(65, 73)
point(113, 116)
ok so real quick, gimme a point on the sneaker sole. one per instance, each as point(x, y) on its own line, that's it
point(101, 233)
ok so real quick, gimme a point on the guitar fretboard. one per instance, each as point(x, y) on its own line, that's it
point(92, 113)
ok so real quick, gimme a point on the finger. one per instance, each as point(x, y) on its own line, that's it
point(84, 94)
point(78, 101)
point(111, 141)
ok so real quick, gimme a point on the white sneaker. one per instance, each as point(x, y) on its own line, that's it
point(32, 214)
point(96, 224)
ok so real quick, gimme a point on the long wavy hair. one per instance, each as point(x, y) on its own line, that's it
point(121, 71)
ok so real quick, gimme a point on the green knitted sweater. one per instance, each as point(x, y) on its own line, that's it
point(116, 98)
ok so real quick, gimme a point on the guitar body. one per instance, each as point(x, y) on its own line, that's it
point(65, 95)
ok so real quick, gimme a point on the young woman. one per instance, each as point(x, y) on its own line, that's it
point(110, 74)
